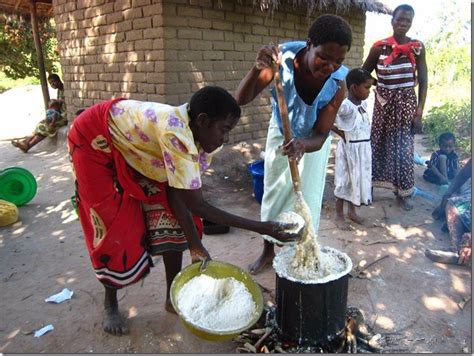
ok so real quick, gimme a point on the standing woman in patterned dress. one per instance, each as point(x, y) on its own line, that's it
point(400, 65)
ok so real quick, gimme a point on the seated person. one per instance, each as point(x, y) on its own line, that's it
point(456, 209)
point(443, 165)
point(55, 81)
point(48, 127)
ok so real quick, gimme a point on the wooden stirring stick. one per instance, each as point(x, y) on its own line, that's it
point(295, 174)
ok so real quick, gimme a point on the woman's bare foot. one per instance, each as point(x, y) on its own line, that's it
point(405, 202)
point(263, 261)
point(342, 224)
point(21, 145)
point(113, 322)
point(169, 307)
point(355, 218)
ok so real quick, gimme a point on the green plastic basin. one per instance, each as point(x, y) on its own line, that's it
point(17, 185)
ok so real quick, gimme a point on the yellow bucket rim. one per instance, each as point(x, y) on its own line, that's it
point(192, 271)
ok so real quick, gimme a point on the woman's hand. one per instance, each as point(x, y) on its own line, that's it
point(417, 125)
point(294, 149)
point(283, 232)
point(343, 137)
point(200, 254)
point(439, 213)
point(418, 113)
point(465, 251)
point(465, 255)
point(266, 55)
point(259, 77)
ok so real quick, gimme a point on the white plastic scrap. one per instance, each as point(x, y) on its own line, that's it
point(44, 330)
point(65, 294)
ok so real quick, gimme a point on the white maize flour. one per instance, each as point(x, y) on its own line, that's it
point(307, 262)
point(306, 256)
point(332, 265)
point(218, 304)
point(285, 218)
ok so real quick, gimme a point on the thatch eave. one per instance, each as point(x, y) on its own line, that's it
point(322, 5)
point(44, 8)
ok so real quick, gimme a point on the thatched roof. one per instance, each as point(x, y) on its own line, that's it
point(44, 8)
point(322, 5)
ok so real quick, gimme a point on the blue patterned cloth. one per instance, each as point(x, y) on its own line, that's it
point(302, 116)
point(462, 203)
point(278, 195)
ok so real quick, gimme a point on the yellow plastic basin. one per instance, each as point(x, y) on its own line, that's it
point(216, 269)
point(8, 213)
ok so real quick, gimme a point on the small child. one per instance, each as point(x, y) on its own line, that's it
point(353, 170)
point(53, 113)
point(443, 165)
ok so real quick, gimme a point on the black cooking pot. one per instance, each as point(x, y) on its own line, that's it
point(312, 313)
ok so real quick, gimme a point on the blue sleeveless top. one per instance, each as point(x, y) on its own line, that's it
point(302, 116)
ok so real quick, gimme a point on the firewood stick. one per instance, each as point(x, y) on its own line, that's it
point(250, 347)
point(280, 350)
point(371, 264)
point(368, 243)
point(260, 341)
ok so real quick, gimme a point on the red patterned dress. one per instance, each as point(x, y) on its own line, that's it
point(392, 136)
point(124, 155)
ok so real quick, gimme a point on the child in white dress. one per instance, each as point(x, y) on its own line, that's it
point(353, 171)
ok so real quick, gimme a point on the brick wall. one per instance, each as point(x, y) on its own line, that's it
point(164, 50)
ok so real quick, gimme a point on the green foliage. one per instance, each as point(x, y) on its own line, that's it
point(8, 83)
point(449, 64)
point(452, 116)
point(17, 49)
point(448, 56)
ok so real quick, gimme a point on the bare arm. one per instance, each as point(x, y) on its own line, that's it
point(463, 175)
point(184, 203)
point(259, 77)
point(422, 82)
point(338, 132)
point(183, 215)
point(437, 173)
point(371, 61)
point(297, 147)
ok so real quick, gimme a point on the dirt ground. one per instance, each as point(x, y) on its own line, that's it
point(421, 306)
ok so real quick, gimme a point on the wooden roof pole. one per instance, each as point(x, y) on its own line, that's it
point(39, 53)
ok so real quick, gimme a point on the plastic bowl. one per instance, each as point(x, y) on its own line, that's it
point(17, 185)
point(8, 213)
point(216, 269)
